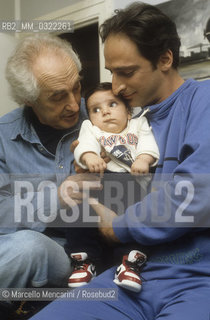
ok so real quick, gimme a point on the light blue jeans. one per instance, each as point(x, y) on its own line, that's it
point(31, 259)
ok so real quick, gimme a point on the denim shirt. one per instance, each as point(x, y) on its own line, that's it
point(24, 161)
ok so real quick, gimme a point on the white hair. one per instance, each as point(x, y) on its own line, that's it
point(23, 84)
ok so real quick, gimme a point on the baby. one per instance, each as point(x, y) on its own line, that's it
point(131, 147)
point(129, 142)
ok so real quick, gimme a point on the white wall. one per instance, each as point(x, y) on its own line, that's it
point(6, 9)
point(119, 4)
point(31, 9)
point(7, 44)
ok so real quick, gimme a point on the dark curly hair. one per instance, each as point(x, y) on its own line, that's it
point(105, 86)
point(149, 28)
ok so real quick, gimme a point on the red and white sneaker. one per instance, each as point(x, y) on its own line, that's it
point(84, 271)
point(128, 273)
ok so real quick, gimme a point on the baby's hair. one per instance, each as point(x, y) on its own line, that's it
point(105, 86)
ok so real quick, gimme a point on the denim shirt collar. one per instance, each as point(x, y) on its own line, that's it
point(26, 131)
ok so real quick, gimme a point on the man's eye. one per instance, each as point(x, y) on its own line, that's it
point(77, 87)
point(126, 74)
point(58, 97)
point(113, 104)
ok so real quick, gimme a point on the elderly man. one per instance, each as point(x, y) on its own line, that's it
point(35, 143)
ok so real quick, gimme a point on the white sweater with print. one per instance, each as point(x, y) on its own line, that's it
point(123, 148)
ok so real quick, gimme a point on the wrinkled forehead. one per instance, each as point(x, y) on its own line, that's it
point(54, 70)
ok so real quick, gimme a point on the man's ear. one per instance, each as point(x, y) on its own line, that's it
point(28, 104)
point(166, 60)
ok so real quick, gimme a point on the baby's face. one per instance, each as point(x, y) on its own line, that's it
point(107, 112)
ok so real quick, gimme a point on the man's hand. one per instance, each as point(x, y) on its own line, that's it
point(74, 145)
point(104, 155)
point(106, 218)
point(76, 188)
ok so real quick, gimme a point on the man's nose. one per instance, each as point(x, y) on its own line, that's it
point(117, 85)
point(72, 104)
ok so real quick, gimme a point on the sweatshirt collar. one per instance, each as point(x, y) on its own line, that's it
point(161, 109)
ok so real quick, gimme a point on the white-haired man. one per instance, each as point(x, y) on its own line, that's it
point(43, 74)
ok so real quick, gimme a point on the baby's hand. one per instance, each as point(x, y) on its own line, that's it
point(139, 167)
point(141, 164)
point(93, 162)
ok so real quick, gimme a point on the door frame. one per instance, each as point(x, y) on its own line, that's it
point(84, 13)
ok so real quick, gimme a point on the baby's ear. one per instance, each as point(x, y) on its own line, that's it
point(129, 116)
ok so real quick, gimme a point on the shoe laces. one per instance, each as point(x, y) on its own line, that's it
point(79, 264)
point(140, 260)
point(136, 266)
point(133, 266)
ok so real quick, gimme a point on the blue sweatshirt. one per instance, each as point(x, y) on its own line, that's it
point(179, 204)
